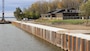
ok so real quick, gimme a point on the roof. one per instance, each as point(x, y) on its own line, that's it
point(51, 11)
point(58, 11)
point(68, 10)
point(55, 11)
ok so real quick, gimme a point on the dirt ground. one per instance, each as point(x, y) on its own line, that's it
point(73, 27)
point(70, 28)
point(66, 26)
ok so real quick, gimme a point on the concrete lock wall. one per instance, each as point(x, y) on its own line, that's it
point(67, 41)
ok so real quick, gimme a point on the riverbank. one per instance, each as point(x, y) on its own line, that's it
point(5, 22)
point(63, 38)
point(66, 24)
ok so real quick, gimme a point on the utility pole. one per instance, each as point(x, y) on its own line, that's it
point(3, 21)
point(3, 10)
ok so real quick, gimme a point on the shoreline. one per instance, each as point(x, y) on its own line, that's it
point(60, 37)
point(64, 26)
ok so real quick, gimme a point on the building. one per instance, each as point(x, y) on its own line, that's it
point(70, 13)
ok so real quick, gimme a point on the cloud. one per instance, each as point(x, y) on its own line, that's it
point(7, 14)
point(10, 6)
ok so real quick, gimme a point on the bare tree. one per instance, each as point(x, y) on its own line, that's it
point(71, 3)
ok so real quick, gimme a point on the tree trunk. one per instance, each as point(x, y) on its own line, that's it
point(87, 21)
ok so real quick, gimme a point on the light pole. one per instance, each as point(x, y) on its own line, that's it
point(3, 10)
point(3, 21)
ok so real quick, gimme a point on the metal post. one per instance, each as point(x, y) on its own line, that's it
point(2, 10)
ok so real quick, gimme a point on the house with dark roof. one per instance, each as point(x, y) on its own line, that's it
point(70, 13)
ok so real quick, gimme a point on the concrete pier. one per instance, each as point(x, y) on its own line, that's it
point(67, 40)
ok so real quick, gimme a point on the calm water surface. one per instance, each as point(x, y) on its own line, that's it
point(9, 19)
point(14, 39)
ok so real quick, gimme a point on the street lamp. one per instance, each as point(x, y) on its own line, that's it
point(3, 10)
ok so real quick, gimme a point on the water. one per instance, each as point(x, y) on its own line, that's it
point(14, 39)
point(9, 18)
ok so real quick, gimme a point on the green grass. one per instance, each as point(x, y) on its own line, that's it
point(55, 21)
point(68, 21)
point(43, 20)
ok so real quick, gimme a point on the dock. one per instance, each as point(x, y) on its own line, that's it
point(69, 40)
point(5, 22)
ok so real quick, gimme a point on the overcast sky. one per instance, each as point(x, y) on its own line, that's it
point(10, 6)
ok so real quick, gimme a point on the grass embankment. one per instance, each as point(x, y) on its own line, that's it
point(54, 21)
point(66, 24)
point(68, 21)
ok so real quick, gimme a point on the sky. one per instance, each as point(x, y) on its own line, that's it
point(11, 5)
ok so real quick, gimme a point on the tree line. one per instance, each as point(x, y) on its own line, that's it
point(42, 7)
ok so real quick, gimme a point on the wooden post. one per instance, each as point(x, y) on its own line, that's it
point(65, 42)
point(82, 45)
point(73, 43)
point(88, 45)
point(69, 43)
point(76, 44)
point(58, 40)
point(62, 41)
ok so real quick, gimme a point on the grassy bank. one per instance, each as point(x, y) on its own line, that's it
point(68, 21)
point(71, 24)
point(54, 21)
